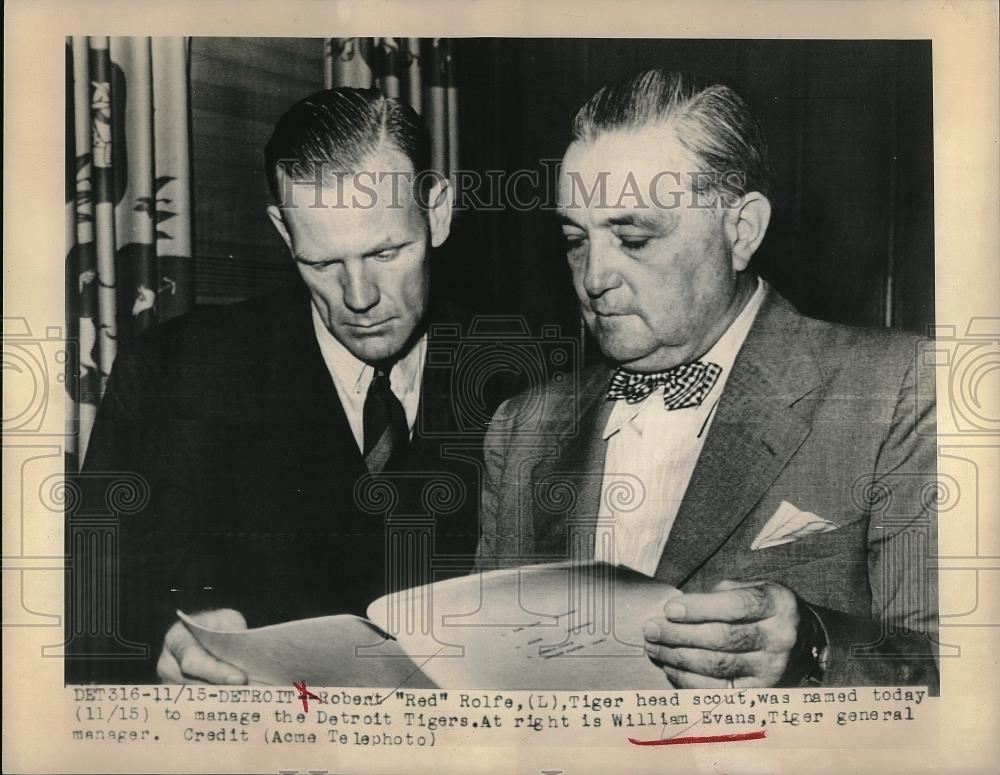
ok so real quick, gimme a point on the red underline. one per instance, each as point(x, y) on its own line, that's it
point(759, 735)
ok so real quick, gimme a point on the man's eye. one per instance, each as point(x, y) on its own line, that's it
point(633, 243)
point(573, 241)
point(386, 255)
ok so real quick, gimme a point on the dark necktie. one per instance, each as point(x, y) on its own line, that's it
point(385, 428)
point(683, 386)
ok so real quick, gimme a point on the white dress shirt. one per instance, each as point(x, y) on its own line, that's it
point(653, 451)
point(352, 378)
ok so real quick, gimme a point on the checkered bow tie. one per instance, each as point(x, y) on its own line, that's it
point(683, 386)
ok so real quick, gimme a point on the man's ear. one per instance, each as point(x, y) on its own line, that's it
point(746, 224)
point(439, 210)
point(279, 223)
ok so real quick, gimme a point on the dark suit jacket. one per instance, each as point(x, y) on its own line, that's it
point(257, 490)
point(837, 421)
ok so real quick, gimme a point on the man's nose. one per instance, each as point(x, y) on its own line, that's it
point(599, 273)
point(360, 292)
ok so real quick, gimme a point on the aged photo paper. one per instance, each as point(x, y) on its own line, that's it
point(883, 129)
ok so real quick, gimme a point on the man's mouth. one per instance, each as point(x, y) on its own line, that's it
point(369, 327)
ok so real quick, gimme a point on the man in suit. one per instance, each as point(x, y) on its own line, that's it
point(779, 470)
point(259, 427)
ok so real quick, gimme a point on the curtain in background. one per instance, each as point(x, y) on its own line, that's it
point(417, 70)
point(128, 202)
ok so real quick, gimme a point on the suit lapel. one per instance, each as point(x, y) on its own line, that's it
point(759, 425)
point(436, 416)
point(437, 423)
point(302, 392)
point(566, 488)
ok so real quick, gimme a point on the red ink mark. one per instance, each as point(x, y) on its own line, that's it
point(760, 735)
point(304, 694)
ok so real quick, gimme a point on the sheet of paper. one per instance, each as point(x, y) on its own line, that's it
point(557, 626)
point(326, 651)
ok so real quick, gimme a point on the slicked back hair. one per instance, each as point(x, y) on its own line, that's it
point(335, 130)
point(712, 122)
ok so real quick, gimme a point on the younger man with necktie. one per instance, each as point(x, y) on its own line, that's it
point(778, 470)
point(258, 425)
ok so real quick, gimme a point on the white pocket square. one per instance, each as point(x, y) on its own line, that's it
point(789, 524)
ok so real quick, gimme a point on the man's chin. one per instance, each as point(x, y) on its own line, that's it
point(373, 352)
point(620, 347)
point(632, 359)
point(627, 359)
point(372, 348)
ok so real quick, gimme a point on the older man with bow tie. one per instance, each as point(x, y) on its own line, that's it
point(780, 466)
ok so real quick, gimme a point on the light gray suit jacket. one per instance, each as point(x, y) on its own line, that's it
point(837, 421)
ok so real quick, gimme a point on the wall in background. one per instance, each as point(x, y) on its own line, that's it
point(849, 125)
point(239, 88)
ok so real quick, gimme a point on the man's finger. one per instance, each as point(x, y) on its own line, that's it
point(681, 679)
point(169, 671)
point(221, 619)
point(716, 636)
point(716, 664)
point(725, 584)
point(194, 662)
point(167, 668)
point(744, 604)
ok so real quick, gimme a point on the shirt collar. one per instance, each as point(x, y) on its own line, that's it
point(356, 375)
point(723, 353)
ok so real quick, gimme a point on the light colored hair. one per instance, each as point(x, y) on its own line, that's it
point(337, 129)
point(712, 122)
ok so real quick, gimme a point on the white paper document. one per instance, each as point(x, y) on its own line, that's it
point(339, 650)
point(555, 626)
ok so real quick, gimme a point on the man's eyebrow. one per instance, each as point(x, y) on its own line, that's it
point(627, 219)
point(387, 244)
point(565, 219)
point(374, 250)
point(634, 219)
point(302, 258)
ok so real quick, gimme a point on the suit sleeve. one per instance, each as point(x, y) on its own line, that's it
point(114, 435)
point(897, 645)
point(489, 549)
point(130, 566)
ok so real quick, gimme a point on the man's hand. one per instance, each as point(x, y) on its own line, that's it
point(744, 631)
point(184, 661)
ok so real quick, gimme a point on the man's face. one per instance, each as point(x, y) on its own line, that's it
point(652, 263)
point(364, 255)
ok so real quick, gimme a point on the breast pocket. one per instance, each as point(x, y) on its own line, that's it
point(849, 539)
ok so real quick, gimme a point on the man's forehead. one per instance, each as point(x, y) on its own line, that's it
point(332, 230)
point(386, 174)
point(644, 217)
point(350, 209)
point(642, 151)
point(623, 170)
point(363, 189)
